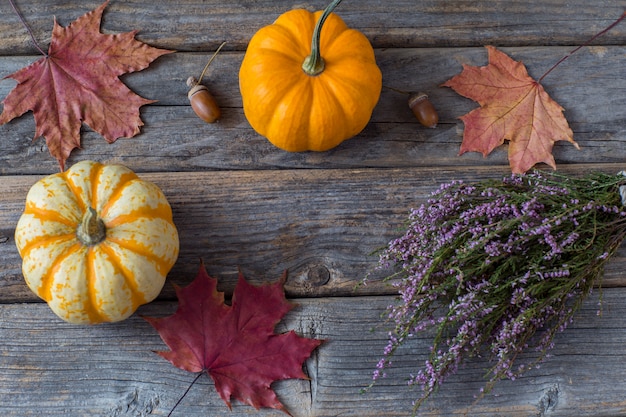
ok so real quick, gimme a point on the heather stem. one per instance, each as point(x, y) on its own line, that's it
point(594, 37)
point(30, 32)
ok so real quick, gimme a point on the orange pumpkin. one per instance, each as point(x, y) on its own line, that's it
point(96, 242)
point(308, 82)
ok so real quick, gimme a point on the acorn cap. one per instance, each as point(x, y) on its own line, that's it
point(415, 98)
point(195, 87)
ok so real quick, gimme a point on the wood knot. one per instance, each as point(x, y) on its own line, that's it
point(317, 276)
point(549, 400)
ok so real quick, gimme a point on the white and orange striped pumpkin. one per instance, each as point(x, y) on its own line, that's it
point(96, 242)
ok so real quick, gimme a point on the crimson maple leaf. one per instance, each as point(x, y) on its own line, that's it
point(78, 81)
point(236, 345)
point(514, 107)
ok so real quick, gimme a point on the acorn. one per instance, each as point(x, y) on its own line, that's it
point(423, 109)
point(202, 101)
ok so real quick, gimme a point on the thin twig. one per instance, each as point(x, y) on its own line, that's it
point(602, 32)
point(397, 90)
point(30, 32)
point(210, 60)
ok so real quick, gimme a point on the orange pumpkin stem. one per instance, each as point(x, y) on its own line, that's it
point(91, 229)
point(314, 63)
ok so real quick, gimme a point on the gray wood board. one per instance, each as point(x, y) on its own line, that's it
point(52, 368)
point(192, 25)
point(589, 86)
point(321, 225)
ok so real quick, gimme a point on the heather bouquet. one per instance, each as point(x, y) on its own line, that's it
point(497, 268)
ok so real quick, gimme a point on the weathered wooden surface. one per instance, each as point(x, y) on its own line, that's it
point(241, 203)
point(191, 25)
point(588, 86)
point(320, 225)
point(52, 368)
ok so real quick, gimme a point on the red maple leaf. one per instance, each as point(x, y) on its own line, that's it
point(514, 107)
point(236, 345)
point(78, 81)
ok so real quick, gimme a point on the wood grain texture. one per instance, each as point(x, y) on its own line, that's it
point(323, 226)
point(589, 86)
point(192, 25)
point(240, 203)
point(111, 370)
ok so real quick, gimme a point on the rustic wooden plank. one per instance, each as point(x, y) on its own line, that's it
point(590, 86)
point(321, 225)
point(190, 25)
point(241, 203)
point(52, 368)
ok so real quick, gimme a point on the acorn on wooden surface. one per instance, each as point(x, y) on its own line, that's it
point(202, 101)
point(423, 109)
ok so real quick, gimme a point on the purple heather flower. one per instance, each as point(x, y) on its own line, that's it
point(488, 266)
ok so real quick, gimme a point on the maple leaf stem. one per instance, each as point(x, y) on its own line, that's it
point(185, 393)
point(30, 32)
point(593, 38)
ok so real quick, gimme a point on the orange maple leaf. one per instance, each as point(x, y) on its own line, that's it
point(79, 81)
point(514, 107)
